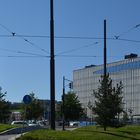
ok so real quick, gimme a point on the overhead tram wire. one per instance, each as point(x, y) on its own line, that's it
point(89, 45)
point(128, 40)
point(117, 37)
point(99, 38)
point(34, 55)
point(73, 50)
point(85, 56)
point(76, 56)
point(125, 32)
point(21, 52)
point(13, 34)
point(71, 56)
point(8, 30)
point(24, 56)
point(31, 43)
point(74, 37)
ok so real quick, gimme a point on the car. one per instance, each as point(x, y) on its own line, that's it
point(60, 123)
point(74, 123)
point(43, 123)
point(19, 123)
point(33, 124)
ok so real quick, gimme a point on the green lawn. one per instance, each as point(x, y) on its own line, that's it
point(4, 127)
point(86, 133)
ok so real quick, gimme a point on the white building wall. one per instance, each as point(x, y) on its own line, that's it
point(128, 71)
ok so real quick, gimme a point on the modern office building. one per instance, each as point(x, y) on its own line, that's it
point(128, 71)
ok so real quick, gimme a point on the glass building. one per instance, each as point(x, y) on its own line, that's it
point(128, 71)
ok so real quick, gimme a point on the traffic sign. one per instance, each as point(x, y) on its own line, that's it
point(27, 99)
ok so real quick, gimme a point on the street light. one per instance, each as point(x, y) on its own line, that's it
point(63, 99)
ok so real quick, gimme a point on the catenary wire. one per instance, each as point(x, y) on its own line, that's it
point(75, 37)
point(73, 50)
point(7, 29)
point(84, 56)
point(66, 37)
point(21, 52)
point(78, 56)
point(24, 56)
point(13, 34)
point(125, 32)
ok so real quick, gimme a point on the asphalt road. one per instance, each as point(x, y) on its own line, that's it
point(7, 137)
point(16, 132)
point(13, 136)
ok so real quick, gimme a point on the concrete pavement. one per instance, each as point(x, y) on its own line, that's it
point(7, 137)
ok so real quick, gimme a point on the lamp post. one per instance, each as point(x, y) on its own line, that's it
point(63, 100)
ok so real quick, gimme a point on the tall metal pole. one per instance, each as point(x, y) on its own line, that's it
point(52, 67)
point(104, 48)
point(63, 100)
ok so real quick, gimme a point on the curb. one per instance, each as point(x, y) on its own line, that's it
point(14, 138)
point(3, 132)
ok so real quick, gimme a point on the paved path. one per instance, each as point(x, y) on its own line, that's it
point(8, 137)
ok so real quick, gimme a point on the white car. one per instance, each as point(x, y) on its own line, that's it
point(74, 123)
point(19, 123)
point(32, 124)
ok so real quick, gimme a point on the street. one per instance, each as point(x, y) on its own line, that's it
point(8, 137)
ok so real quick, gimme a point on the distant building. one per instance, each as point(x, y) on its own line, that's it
point(16, 109)
point(16, 113)
point(45, 104)
point(86, 80)
point(16, 116)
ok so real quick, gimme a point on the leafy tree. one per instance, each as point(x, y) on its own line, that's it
point(58, 111)
point(4, 108)
point(108, 103)
point(72, 107)
point(125, 117)
point(34, 109)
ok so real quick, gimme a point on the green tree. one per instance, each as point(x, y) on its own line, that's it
point(108, 102)
point(72, 107)
point(58, 110)
point(33, 110)
point(125, 117)
point(4, 108)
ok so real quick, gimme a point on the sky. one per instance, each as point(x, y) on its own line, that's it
point(79, 32)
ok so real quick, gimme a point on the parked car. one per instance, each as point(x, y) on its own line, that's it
point(19, 123)
point(74, 123)
point(33, 124)
point(60, 123)
point(43, 123)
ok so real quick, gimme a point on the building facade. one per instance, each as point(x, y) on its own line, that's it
point(127, 71)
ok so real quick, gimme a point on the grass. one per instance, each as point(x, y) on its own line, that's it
point(86, 133)
point(4, 127)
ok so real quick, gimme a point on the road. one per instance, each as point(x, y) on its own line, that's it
point(11, 136)
point(15, 132)
point(7, 137)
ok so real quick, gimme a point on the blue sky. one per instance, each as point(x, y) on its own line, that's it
point(73, 18)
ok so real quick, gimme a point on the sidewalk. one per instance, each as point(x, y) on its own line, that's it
point(16, 136)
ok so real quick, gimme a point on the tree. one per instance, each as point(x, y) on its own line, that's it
point(72, 107)
point(125, 117)
point(4, 108)
point(58, 111)
point(34, 109)
point(108, 102)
